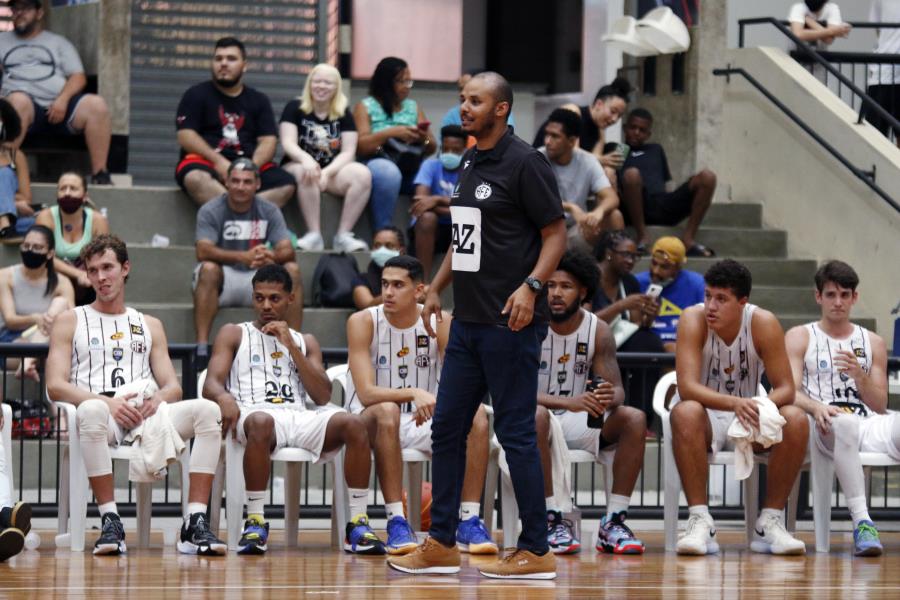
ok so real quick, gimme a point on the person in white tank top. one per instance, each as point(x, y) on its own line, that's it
point(840, 371)
point(394, 366)
point(97, 349)
point(722, 349)
point(261, 373)
point(580, 348)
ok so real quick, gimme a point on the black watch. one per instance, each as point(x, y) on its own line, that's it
point(534, 284)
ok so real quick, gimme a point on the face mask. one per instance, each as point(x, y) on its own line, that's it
point(33, 260)
point(383, 254)
point(69, 204)
point(450, 161)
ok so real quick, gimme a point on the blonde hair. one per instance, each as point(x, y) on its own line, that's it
point(338, 103)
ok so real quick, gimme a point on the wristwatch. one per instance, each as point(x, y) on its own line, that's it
point(534, 284)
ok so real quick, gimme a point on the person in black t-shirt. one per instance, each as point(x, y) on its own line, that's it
point(644, 196)
point(508, 236)
point(319, 137)
point(221, 120)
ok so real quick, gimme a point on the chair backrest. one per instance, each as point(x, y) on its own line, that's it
point(201, 380)
point(659, 394)
point(338, 374)
point(7, 445)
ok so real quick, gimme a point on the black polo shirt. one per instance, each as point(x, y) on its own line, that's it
point(504, 197)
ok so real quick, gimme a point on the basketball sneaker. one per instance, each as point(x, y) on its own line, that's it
point(255, 536)
point(430, 557)
point(865, 540)
point(401, 539)
point(112, 536)
point(561, 534)
point(522, 564)
point(18, 515)
point(12, 541)
point(472, 537)
point(699, 537)
point(615, 537)
point(773, 538)
point(196, 538)
point(360, 538)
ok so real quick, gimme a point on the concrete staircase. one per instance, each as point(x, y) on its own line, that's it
point(160, 280)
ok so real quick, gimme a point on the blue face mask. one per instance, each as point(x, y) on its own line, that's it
point(383, 254)
point(450, 161)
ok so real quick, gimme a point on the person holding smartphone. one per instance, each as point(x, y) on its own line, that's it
point(579, 383)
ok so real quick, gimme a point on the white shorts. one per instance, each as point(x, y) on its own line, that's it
point(414, 437)
point(304, 429)
point(577, 433)
point(720, 421)
point(874, 434)
point(237, 286)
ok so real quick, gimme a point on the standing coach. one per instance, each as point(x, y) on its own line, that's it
point(508, 237)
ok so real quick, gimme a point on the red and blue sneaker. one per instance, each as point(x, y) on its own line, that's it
point(616, 538)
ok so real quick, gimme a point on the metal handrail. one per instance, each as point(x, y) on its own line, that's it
point(814, 56)
point(863, 176)
point(762, 20)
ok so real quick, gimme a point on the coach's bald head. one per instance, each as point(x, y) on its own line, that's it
point(497, 86)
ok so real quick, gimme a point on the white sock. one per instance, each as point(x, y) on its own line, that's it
point(359, 501)
point(551, 504)
point(616, 504)
point(858, 510)
point(108, 507)
point(256, 501)
point(698, 509)
point(467, 510)
point(193, 508)
point(393, 509)
point(769, 512)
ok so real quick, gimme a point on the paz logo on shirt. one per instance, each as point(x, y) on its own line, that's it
point(483, 191)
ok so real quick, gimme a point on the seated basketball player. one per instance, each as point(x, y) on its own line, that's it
point(840, 370)
point(105, 345)
point(580, 349)
point(722, 349)
point(261, 374)
point(394, 368)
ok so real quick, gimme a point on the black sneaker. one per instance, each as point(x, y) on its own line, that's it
point(18, 515)
point(196, 538)
point(101, 178)
point(112, 536)
point(11, 542)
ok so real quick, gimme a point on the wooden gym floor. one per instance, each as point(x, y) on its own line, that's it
point(317, 571)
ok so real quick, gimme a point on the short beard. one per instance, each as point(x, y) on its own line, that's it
point(26, 29)
point(226, 83)
point(566, 314)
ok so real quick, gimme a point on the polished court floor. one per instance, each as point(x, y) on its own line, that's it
point(317, 571)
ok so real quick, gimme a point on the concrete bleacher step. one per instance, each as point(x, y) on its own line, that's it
point(734, 241)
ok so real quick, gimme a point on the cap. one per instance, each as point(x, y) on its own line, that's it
point(31, 3)
point(670, 249)
point(243, 164)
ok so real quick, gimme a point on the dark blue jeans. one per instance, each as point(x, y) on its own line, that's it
point(491, 359)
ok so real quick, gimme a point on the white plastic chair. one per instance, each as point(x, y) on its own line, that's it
point(7, 446)
point(673, 480)
point(663, 30)
point(822, 484)
point(74, 489)
point(625, 36)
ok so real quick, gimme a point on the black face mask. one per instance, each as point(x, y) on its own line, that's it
point(33, 260)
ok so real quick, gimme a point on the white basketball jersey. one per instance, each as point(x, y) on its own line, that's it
point(821, 381)
point(566, 359)
point(403, 358)
point(263, 373)
point(109, 351)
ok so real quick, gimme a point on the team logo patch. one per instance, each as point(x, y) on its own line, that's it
point(276, 355)
point(255, 358)
point(118, 353)
point(276, 370)
point(581, 367)
point(403, 352)
point(423, 360)
point(729, 370)
point(844, 377)
point(543, 365)
point(561, 377)
point(137, 330)
point(94, 343)
point(715, 372)
point(402, 371)
point(744, 374)
point(823, 364)
point(421, 341)
point(382, 360)
point(483, 191)
point(563, 359)
point(581, 348)
point(117, 336)
point(138, 347)
point(729, 385)
point(859, 352)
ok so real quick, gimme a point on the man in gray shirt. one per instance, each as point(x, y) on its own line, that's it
point(43, 79)
point(237, 233)
point(579, 177)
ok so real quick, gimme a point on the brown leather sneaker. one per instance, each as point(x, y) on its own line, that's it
point(522, 564)
point(429, 557)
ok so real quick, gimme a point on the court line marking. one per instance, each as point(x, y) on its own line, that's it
point(483, 586)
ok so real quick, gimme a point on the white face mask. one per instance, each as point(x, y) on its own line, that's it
point(383, 254)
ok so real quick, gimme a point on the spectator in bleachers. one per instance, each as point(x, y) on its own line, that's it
point(15, 181)
point(43, 78)
point(74, 223)
point(237, 233)
point(319, 138)
point(394, 136)
point(452, 116)
point(884, 79)
point(680, 289)
point(644, 179)
point(387, 243)
point(580, 177)
point(221, 120)
point(806, 17)
point(430, 229)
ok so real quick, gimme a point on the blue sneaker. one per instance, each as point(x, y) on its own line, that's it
point(865, 540)
point(360, 538)
point(472, 537)
point(615, 537)
point(254, 537)
point(401, 537)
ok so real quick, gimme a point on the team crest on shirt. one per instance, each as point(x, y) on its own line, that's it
point(95, 343)
point(581, 348)
point(402, 371)
point(729, 385)
point(276, 355)
point(138, 347)
point(423, 360)
point(137, 330)
point(844, 377)
point(403, 351)
point(118, 353)
point(543, 365)
point(581, 367)
point(255, 358)
point(561, 377)
point(823, 364)
point(276, 370)
point(117, 336)
point(483, 191)
point(563, 359)
point(421, 341)
point(859, 352)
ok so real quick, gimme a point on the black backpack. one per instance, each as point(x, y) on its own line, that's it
point(333, 281)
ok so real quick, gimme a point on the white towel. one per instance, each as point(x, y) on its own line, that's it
point(155, 443)
point(769, 433)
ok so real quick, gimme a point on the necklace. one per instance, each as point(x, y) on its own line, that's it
point(68, 227)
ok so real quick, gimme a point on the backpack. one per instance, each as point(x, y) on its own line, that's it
point(333, 281)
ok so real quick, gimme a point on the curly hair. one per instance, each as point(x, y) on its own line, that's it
point(583, 268)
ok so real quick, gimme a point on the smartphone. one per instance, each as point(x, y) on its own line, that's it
point(654, 290)
point(424, 125)
point(592, 421)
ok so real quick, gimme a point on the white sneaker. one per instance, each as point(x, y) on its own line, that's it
point(773, 538)
point(312, 241)
point(699, 537)
point(345, 241)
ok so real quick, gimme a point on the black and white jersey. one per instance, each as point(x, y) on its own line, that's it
point(109, 351)
point(822, 381)
point(402, 358)
point(566, 359)
point(263, 372)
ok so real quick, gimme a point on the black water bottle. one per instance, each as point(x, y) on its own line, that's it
point(592, 421)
